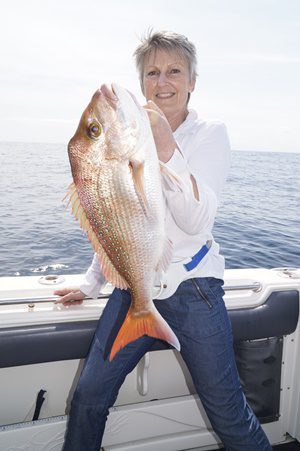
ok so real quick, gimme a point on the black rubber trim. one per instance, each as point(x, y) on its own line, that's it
point(278, 316)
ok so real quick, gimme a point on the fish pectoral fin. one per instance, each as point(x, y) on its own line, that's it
point(77, 208)
point(166, 256)
point(170, 178)
point(137, 172)
point(109, 271)
point(137, 324)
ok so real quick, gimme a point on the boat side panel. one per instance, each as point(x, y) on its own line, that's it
point(26, 345)
point(45, 343)
point(259, 364)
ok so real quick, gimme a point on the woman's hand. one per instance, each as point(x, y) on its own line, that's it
point(70, 296)
point(162, 132)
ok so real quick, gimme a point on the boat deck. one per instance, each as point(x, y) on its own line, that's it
point(292, 446)
point(157, 407)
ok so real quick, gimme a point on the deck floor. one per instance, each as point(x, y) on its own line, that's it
point(292, 446)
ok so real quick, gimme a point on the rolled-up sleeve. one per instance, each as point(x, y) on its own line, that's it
point(94, 281)
point(193, 216)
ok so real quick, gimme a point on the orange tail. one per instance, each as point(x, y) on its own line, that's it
point(136, 325)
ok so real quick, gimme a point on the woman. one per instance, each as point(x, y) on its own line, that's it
point(192, 304)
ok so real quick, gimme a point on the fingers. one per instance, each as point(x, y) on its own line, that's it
point(153, 116)
point(150, 105)
point(63, 291)
point(69, 296)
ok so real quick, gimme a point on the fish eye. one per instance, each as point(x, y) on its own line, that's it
point(94, 130)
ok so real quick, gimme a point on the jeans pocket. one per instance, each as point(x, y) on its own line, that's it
point(209, 289)
point(202, 294)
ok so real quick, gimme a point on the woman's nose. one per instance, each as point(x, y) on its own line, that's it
point(162, 79)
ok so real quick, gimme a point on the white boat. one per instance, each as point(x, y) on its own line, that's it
point(42, 347)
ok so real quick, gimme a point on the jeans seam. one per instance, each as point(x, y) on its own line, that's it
point(252, 431)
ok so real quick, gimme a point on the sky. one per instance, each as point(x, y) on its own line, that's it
point(55, 53)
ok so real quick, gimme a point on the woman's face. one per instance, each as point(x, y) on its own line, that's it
point(167, 82)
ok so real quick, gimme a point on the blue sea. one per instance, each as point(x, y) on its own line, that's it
point(258, 223)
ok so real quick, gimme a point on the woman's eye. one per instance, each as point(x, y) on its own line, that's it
point(94, 130)
point(174, 71)
point(152, 73)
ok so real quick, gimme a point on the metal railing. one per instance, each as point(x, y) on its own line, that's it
point(39, 299)
point(255, 286)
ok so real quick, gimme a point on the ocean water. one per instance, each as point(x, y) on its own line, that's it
point(258, 223)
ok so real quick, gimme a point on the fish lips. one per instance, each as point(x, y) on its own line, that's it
point(117, 97)
point(105, 92)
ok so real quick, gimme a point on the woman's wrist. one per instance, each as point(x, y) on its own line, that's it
point(166, 152)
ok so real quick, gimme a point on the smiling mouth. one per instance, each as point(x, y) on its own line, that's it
point(164, 95)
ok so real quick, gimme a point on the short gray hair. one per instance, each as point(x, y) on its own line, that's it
point(169, 41)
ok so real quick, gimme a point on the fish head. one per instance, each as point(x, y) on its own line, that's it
point(112, 127)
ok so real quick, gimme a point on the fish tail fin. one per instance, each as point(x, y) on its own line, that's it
point(136, 325)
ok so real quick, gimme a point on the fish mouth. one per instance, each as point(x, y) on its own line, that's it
point(109, 92)
point(115, 94)
point(120, 92)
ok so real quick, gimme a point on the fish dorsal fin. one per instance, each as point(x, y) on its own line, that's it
point(109, 271)
point(137, 172)
point(171, 179)
point(166, 257)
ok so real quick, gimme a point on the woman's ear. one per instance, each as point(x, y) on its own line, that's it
point(192, 85)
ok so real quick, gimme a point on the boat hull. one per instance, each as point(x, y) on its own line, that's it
point(43, 347)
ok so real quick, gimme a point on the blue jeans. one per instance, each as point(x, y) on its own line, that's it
point(197, 315)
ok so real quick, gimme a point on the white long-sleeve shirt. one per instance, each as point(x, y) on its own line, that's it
point(204, 153)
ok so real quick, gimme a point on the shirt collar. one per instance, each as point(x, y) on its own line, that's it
point(187, 124)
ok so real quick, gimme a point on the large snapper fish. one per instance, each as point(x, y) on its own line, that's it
point(117, 197)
